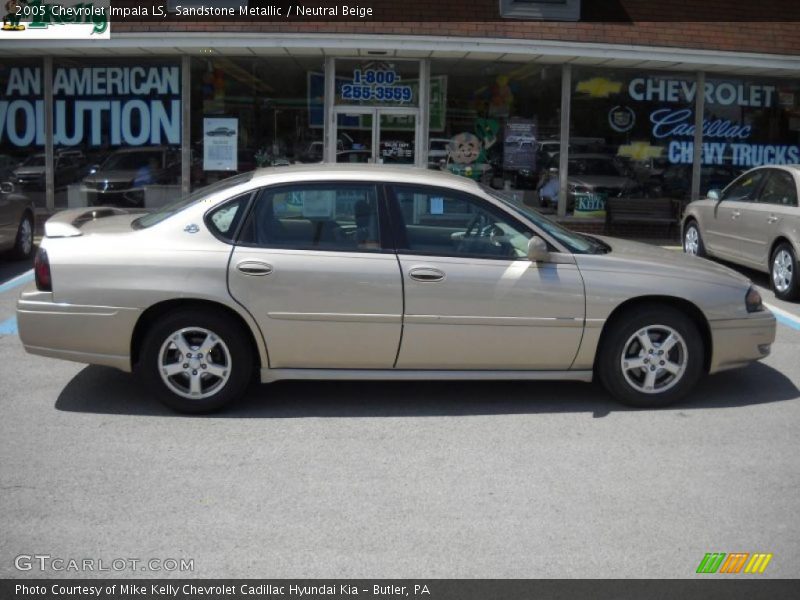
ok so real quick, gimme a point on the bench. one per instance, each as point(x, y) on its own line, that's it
point(643, 210)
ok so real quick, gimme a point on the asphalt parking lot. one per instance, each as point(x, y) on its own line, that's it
point(422, 480)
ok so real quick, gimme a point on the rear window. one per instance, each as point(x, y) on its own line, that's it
point(196, 196)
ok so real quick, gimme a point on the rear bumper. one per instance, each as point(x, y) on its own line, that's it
point(99, 335)
point(737, 342)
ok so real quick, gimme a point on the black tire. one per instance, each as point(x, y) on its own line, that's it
point(692, 226)
point(231, 350)
point(783, 268)
point(23, 245)
point(618, 340)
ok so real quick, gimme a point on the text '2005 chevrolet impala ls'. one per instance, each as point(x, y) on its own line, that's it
point(371, 272)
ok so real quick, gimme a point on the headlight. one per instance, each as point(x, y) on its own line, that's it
point(752, 301)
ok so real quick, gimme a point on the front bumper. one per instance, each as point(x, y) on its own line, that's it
point(738, 342)
point(99, 335)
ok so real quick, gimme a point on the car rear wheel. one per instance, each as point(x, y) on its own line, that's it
point(23, 247)
point(196, 361)
point(651, 357)
point(783, 273)
point(692, 240)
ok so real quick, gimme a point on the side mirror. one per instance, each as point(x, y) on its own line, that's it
point(714, 195)
point(7, 187)
point(537, 249)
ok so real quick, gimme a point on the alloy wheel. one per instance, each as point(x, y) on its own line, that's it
point(782, 270)
point(691, 241)
point(194, 363)
point(26, 236)
point(654, 359)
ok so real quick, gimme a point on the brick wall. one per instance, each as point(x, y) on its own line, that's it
point(627, 22)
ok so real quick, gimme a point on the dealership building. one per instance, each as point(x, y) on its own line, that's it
point(562, 103)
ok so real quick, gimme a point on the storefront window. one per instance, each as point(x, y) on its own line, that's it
point(116, 132)
point(495, 122)
point(255, 112)
point(22, 162)
point(748, 122)
point(628, 139)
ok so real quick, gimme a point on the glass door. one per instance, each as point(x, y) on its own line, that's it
point(396, 136)
point(355, 135)
point(376, 135)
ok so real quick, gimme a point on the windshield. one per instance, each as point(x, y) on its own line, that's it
point(130, 161)
point(170, 209)
point(574, 242)
point(37, 160)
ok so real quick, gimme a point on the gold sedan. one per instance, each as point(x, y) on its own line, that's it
point(373, 272)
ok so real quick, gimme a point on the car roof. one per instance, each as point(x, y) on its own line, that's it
point(364, 172)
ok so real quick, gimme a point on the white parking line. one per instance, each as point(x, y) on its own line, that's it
point(784, 317)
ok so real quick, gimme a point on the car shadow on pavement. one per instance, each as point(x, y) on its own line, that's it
point(108, 391)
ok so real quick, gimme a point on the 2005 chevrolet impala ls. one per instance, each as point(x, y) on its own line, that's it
point(369, 272)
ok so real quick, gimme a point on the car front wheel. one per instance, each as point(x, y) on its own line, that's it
point(23, 246)
point(692, 241)
point(651, 357)
point(196, 361)
point(783, 273)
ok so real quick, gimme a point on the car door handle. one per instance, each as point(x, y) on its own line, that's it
point(426, 274)
point(254, 267)
point(772, 219)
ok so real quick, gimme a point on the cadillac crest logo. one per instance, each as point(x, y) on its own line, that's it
point(621, 118)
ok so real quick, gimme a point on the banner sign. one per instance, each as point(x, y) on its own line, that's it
point(94, 106)
point(728, 130)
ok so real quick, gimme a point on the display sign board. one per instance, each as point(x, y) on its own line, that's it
point(220, 137)
point(590, 205)
point(519, 145)
point(316, 104)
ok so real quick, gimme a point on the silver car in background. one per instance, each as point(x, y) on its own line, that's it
point(16, 222)
point(753, 222)
point(374, 272)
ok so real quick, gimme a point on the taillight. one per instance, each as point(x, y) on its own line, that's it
point(41, 270)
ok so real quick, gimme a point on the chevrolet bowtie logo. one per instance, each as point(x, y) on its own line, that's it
point(720, 562)
point(640, 151)
point(599, 87)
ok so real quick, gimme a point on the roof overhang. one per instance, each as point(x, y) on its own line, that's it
point(308, 45)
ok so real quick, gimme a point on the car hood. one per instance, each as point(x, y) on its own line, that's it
point(635, 257)
point(122, 175)
point(22, 171)
point(593, 181)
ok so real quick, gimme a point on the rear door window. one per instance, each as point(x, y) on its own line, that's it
point(334, 217)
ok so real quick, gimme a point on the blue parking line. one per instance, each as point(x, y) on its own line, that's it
point(784, 317)
point(17, 281)
point(9, 326)
point(788, 322)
